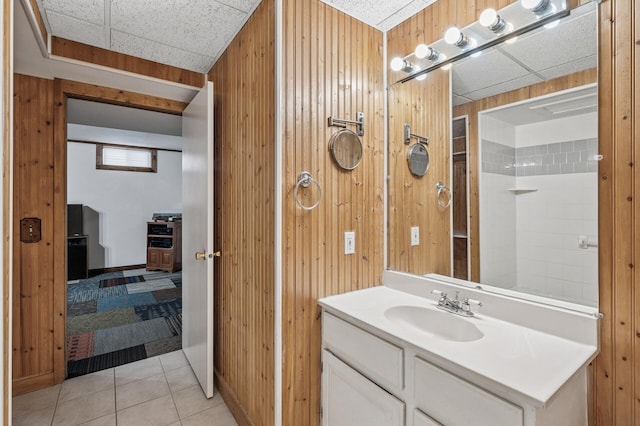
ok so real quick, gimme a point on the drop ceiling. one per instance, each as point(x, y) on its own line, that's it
point(380, 14)
point(190, 34)
point(535, 57)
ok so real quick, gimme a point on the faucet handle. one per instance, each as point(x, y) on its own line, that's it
point(439, 293)
point(472, 302)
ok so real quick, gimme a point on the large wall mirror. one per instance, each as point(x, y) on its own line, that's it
point(520, 153)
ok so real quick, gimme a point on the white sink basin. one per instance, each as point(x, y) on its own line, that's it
point(435, 323)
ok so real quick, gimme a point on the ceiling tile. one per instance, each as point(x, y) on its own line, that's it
point(403, 14)
point(570, 67)
point(371, 12)
point(459, 100)
point(504, 86)
point(200, 26)
point(243, 5)
point(158, 52)
point(87, 10)
point(471, 74)
point(574, 39)
point(75, 29)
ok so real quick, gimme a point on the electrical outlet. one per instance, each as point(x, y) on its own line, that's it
point(415, 236)
point(349, 242)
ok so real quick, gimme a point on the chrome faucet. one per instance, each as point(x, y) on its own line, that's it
point(455, 306)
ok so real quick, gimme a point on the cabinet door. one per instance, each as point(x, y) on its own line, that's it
point(421, 419)
point(348, 398)
point(167, 259)
point(153, 258)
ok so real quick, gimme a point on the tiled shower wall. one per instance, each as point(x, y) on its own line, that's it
point(555, 163)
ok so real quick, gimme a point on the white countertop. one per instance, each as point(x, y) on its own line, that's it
point(529, 363)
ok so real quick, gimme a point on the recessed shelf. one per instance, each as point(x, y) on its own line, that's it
point(460, 153)
point(456, 235)
point(518, 191)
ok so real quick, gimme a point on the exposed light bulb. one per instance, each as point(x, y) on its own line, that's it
point(422, 50)
point(417, 68)
point(447, 67)
point(454, 36)
point(535, 6)
point(488, 17)
point(397, 64)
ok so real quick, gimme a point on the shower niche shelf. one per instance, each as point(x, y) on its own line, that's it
point(518, 191)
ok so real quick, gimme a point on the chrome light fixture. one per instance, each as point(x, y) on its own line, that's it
point(401, 64)
point(455, 37)
point(536, 6)
point(423, 51)
point(490, 19)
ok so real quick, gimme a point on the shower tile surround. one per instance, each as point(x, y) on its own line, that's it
point(577, 156)
point(531, 238)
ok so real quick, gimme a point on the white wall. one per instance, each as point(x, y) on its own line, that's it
point(124, 201)
point(498, 263)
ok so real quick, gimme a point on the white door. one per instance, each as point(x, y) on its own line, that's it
point(197, 238)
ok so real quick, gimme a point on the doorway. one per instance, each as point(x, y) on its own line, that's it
point(124, 187)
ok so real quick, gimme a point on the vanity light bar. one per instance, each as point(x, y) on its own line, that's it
point(541, 21)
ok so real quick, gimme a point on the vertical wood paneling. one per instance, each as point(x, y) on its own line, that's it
point(7, 202)
point(33, 266)
point(413, 200)
point(332, 66)
point(244, 134)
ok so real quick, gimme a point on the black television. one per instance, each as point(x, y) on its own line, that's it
point(74, 220)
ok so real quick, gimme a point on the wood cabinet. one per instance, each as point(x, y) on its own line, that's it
point(164, 246)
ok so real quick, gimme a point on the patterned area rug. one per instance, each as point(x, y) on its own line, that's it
point(122, 317)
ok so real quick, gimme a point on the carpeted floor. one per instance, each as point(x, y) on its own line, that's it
point(122, 317)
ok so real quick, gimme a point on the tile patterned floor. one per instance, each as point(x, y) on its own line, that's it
point(158, 391)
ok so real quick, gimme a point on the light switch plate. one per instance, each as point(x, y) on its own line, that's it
point(349, 242)
point(415, 236)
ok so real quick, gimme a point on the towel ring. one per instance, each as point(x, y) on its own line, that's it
point(305, 180)
point(443, 189)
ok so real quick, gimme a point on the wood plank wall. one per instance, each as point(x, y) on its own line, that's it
point(617, 368)
point(108, 58)
point(244, 129)
point(413, 201)
point(472, 109)
point(332, 67)
point(7, 203)
point(33, 263)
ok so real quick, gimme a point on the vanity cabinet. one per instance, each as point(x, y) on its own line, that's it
point(372, 378)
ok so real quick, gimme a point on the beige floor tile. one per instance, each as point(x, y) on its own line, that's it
point(181, 378)
point(83, 409)
point(86, 385)
point(216, 416)
point(178, 423)
point(41, 417)
point(173, 360)
point(109, 420)
point(157, 412)
point(191, 400)
point(141, 391)
point(138, 370)
point(35, 401)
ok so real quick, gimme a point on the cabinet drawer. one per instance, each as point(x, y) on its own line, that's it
point(375, 358)
point(453, 401)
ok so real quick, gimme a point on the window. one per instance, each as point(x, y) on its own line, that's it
point(126, 158)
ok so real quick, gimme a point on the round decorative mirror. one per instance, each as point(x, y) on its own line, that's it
point(418, 158)
point(346, 149)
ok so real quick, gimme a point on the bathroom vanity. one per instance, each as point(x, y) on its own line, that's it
point(391, 357)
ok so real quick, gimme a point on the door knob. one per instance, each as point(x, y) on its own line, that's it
point(201, 255)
